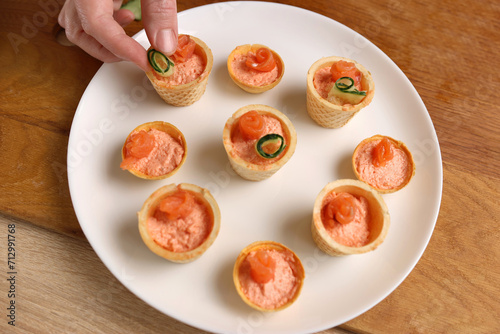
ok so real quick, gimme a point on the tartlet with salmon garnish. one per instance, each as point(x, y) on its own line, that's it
point(181, 79)
point(384, 163)
point(349, 217)
point(154, 151)
point(268, 276)
point(258, 140)
point(179, 222)
point(337, 89)
point(255, 68)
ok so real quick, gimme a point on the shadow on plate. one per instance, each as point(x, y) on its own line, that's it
point(227, 291)
point(292, 103)
point(344, 168)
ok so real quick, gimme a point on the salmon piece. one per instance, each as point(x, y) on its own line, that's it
point(382, 153)
point(262, 60)
point(138, 146)
point(252, 125)
point(344, 68)
point(185, 49)
point(342, 209)
point(178, 205)
point(262, 266)
point(128, 163)
point(271, 147)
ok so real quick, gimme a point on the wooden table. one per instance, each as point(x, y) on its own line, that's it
point(449, 51)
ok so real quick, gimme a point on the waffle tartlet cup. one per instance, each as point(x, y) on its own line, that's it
point(251, 171)
point(186, 94)
point(379, 224)
point(398, 144)
point(168, 129)
point(151, 204)
point(243, 50)
point(267, 245)
point(330, 115)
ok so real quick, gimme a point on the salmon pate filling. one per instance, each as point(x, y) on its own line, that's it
point(355, 233)
point(245, 148)
point(183, 233)
point(323, 83)
point(277, 291)
point(184, 72)
point(250, 76)
point(391, 175)
point(165, 156)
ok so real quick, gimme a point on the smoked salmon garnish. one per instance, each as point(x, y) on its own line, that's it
point(178, 205)
point(341, 209)
point(262, 266)
point(382, 153)
point(185, 49)
point(138, 146)
point(262, 60)
point(252, 125)
point(344, 68)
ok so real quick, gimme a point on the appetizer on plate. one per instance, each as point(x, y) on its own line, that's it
point(179, 222)
point(268, 276)
point(259, 140)
point(384, 163)
point(337, 89)
point(255, 68)
point(349, 217)
point(154, 151)
point(181, 79)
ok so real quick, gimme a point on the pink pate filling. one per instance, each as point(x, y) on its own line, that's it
point(390, 176)
point(183, 234)
point(357, 232)
point(277, 291)
point(184, 72)
point(250, 76)
point(323, 83)
point(245, 148)
point(163, 158)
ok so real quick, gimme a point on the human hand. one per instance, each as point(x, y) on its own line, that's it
point(96, 26)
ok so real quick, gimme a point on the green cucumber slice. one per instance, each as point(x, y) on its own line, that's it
point(160, 63)
point(272, 138)
point(344, 90)
point(135, 7)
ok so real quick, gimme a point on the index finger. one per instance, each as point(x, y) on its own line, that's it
point(97, 20)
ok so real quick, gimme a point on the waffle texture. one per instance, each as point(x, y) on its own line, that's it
point(187, 94)
point(330, 115)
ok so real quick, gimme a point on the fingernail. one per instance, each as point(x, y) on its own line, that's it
point(166, 41)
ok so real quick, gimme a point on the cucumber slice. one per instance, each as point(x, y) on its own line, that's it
point(160, 63)
point(135, 7)
point(345, 91)
point(268, 139)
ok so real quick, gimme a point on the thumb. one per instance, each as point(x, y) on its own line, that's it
point(160, 22)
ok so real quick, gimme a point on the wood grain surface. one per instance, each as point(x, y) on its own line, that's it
point(448, 49)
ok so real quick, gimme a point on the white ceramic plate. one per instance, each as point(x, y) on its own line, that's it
point(202, 293)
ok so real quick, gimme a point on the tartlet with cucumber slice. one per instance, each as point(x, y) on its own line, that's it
point(337, 89)
point(181, 79)
point(259, 140)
